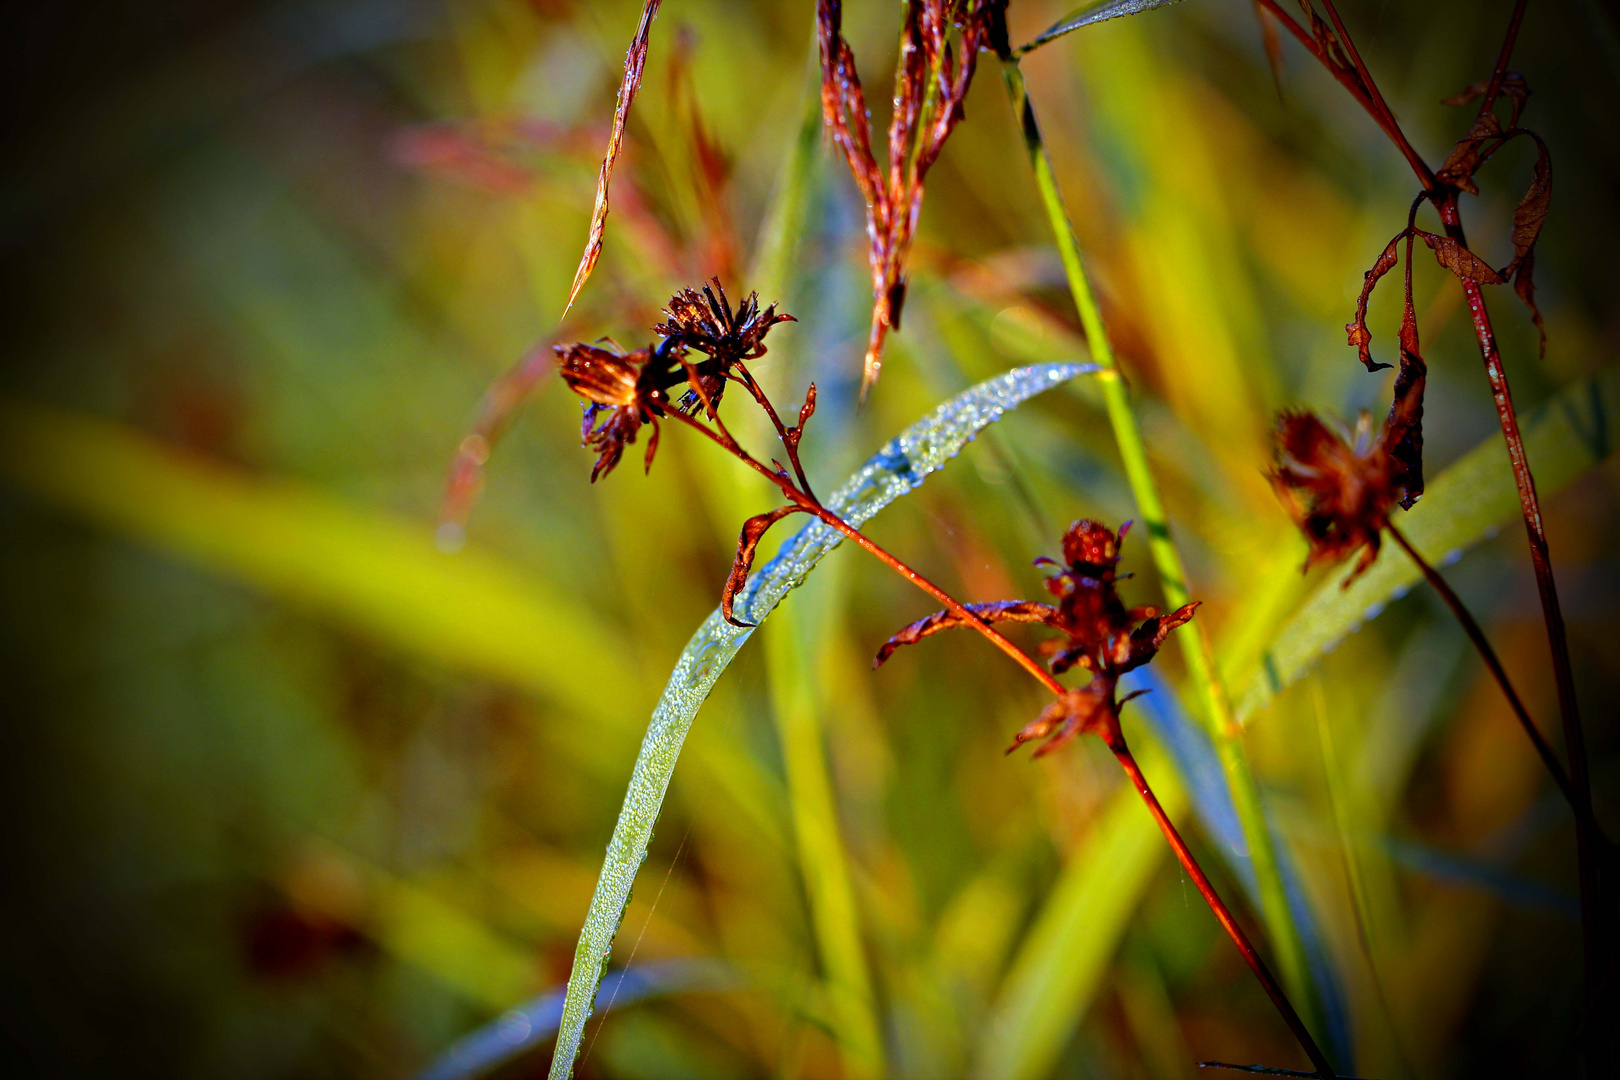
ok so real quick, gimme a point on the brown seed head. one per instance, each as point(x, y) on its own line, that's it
point(622, 391)
point(705, 322)
point(1337, 486)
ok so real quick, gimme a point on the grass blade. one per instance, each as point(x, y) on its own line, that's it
point(1201, 667)
point(1061, 961)
point(380, 575)
point(1566, 436)
point(894, 471)
point(798, 705)
point(1089, 16)
point(528, 1025)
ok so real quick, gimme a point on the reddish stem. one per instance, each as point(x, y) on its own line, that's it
point(1488, 654)
point(1445, 201)
point(1218, 906)
point(1116, 742)
point(1494, 87)
point(1376, 109)
point(752, 386)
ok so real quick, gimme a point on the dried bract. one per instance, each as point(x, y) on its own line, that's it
point(1337, 486)
point(931, 83)
point(1101, 635)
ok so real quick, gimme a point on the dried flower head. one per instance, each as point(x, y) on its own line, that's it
point(1101, 635)
point(622, 391)
point(705, 322)
point(1338, 486)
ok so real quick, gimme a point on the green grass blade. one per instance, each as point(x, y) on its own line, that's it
point(1090, 16)
point(782, 232)
point(1061, 963)
point(894, 471)
point(1201, 667)
point(794, 637)
point(1565, 437)
point(372, 572)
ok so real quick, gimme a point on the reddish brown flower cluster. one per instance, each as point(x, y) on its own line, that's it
point(707, 324)
point(931, 84)
point(1338, 487)
point(624, 391)
point(1102, 635)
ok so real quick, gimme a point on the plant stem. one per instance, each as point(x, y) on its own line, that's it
point(1225, 731)
point(1595, 936)
point(1222, 912)
point(1488, 654)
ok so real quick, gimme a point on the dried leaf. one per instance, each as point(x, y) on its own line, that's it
point(1528, 218)
point(1525, 286)
point(1471, 152)
point(1147, 638)
point(1403, 435)
point(1514, 87)
point(1531, 213)
point(1356, 329)
point(1029, 611)
point(753, 531)
point(1456, 257)
point(635, 62)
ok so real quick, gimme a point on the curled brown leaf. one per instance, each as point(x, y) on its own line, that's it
point(1404, 426)
point(1356, 328)
point(635, 62)
point(1513, 87)
point(753, 531)
point(1528, 218)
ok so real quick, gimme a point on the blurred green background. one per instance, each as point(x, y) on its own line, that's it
point(290, 791)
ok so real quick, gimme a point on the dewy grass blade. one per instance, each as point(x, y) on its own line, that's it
point(525, 1026)
point(1201, 665)
point(1089, 16)
point(1567, 436)
point(894, 471)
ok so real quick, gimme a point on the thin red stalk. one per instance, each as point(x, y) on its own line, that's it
point(1500, 71)
point(1222, 912)
point(1379, 112)
point(753, 387)
point(1488, 654)
point(1361, 69)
